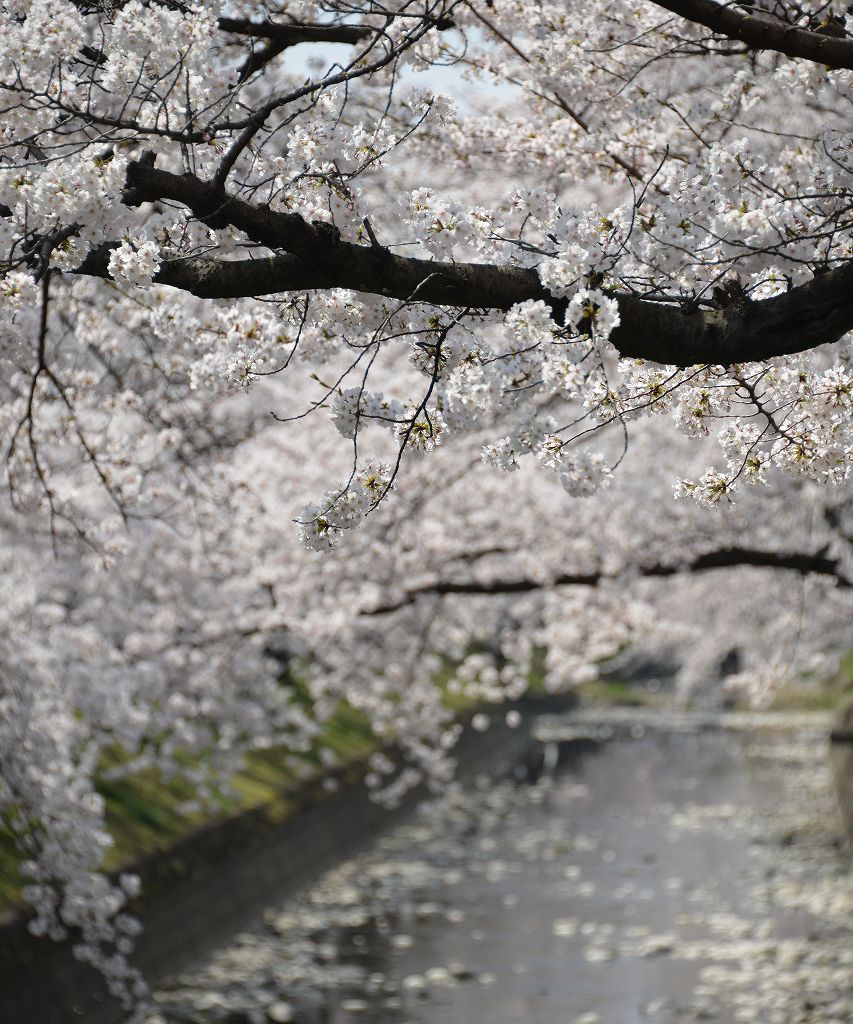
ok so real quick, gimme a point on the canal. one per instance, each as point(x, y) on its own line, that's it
point(636, 868)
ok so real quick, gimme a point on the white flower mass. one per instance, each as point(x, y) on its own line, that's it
point(278, 341)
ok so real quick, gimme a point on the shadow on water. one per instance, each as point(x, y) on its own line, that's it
point(656, 876)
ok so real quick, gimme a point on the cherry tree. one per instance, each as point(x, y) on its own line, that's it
point(505, 274)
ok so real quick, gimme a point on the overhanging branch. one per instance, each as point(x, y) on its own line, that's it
point(280, 37)
point(293, 33)
point(804, 564)
point(764, 32)
point(816, 313)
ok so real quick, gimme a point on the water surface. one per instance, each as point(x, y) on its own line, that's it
point(667, 875)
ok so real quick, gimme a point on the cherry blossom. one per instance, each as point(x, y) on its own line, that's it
point(317, 319)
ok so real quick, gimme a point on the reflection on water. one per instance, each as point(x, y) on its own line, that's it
point(661, 877)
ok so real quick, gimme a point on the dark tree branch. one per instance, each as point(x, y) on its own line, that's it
point(258, 59)
point(294, 33)
point(357, 69)
point(815, 313)
point(281, 37)
point(834, 517)
point(805, 564)
point(724, 558)
point(291, 33)
point(214, 207)
point(764, 32)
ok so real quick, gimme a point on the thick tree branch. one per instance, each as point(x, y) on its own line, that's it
point(294, 33)
point(764, 32)
point(281, 37)
point(815, 313)
point(725, 558)
point(804, 563)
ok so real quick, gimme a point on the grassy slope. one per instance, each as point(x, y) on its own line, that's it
point(144, 816)
point(615, 692)
point(819, 694)
point(143, 812)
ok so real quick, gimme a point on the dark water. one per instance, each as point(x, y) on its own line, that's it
point(676, 876)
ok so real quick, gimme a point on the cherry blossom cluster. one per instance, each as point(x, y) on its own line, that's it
point(164, 608)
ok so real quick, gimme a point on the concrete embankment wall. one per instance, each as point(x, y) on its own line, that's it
point(214, 883)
